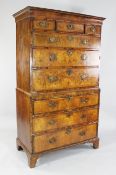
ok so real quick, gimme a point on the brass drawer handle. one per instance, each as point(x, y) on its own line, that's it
point(43, 24)
point(52, 79)
point(84, 76)
point(82, 133)
point(69, 114)
point(70, 38)
point(92, 29)
point(69, 97)
point(84, 41)
point(70, 26)
point(83, 57)
point(52, 104)
point(83, 116)
point(53, 57)
point(69, 71)
point(53, 40)
point(69, 52)
point(68, 131)
point(52, 140)
point(84, 100)
point(51, 122)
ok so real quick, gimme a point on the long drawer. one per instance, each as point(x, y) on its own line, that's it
point(64, 137)
point(60, 119)
point(65, 40)
point(48, 79)
point(69, 100)
point(51, 57)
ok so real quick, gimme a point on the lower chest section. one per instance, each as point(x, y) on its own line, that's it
point(64, 118)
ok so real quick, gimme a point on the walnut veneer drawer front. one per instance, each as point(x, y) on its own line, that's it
point(61, 119)
point(93, 29)
point(65, 40)
point(69, 27)
point(49, 79)
point(52, 57)
point(44, 25)
point(66, 102)
point(64, 137)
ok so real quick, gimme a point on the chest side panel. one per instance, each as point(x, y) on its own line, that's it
point(23, 54)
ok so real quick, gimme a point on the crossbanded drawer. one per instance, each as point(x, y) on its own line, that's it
point(48, 79)
point(64, 26)
point(42, 25)
point(92, 29)
point(65, 40)
point(51, 57)
point(69, 100)
point(64, 137)
point(44, 122)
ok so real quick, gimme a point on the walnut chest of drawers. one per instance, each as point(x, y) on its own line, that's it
point(57, 80)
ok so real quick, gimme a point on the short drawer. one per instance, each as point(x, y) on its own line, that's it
point(49, 121)
point(67, 101)
point(49, 79)
point(63, 137)
point(65, 40)
point(63, 26)
point(93, 29)
point(51, 57)
point(42, 25)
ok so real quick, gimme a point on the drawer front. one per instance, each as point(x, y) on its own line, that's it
point(49, 79)
point(62, 119)
point(65, 40)
point(66, 102)
point(64, 57)
point(42, 25)
point(69, 27)
point(93, 29)
point(64, 137)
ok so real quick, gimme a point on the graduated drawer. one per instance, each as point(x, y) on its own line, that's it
point(65, 40)
point(64, 137)
point(42, 25)
point(65, 26)
point(51, 57)
point(48, 79)
point(61, 119)
point(67, 101)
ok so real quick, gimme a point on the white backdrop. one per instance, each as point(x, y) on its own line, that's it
point(103, 8)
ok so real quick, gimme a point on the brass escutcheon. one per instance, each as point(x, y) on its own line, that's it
point(70, 26)
point(51, 122)
point(53, 57)
point(68, 131)
point(52, 140)
point(52, 79)
point(83, 57)
point(84, 99)
point(92, 29)
point(69, 71)
point(52, 104)
point(82, 133)
point(43, 24)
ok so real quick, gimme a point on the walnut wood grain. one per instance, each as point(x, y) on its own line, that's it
point(44, 122)
point(65, 103)
point(64, 137)
point(49, 79)
point(65, 40)
point(45, 57)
